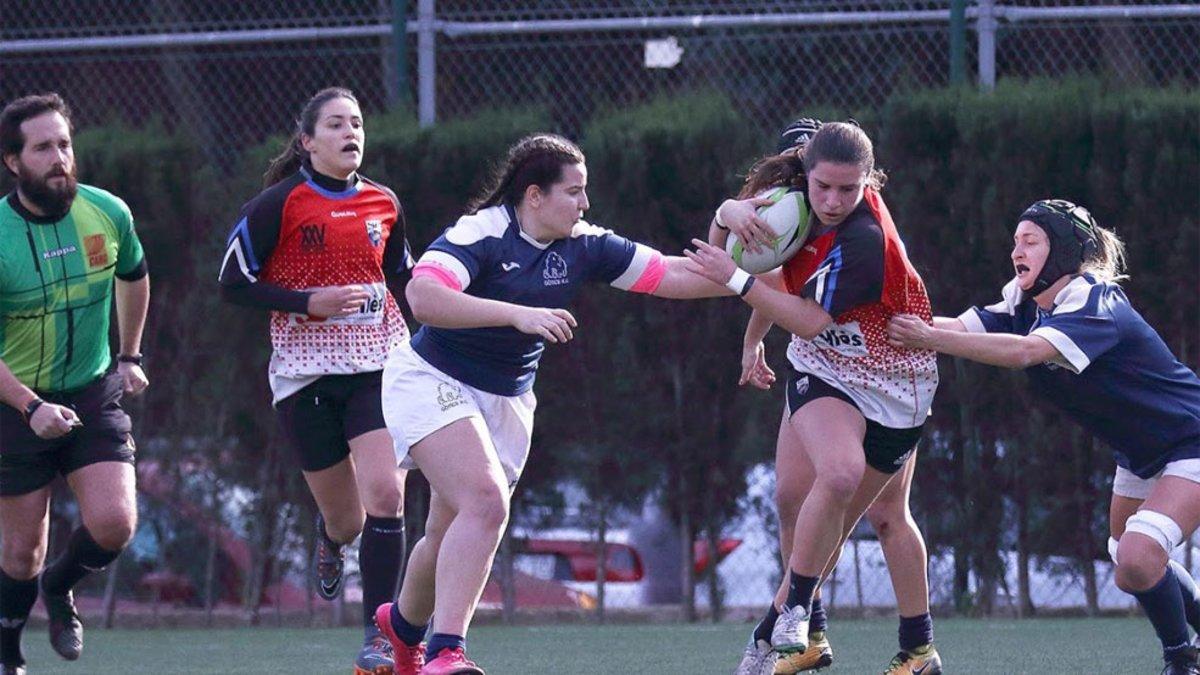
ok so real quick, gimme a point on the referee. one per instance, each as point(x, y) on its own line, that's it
point(61, 246)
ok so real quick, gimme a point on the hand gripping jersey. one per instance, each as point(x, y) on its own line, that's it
point(1113, 375)
point(859, 273)
point(488, 256)
point(305, 233)
point(56, 281)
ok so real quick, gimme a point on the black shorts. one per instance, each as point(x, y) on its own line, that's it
point(886, 448)
point(321, 418)
point(29, 463)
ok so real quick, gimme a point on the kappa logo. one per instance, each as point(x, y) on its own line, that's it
point(449, 395)
point(312, 237)
point(58, 252)
point(555, 273)
point(375, 231)
point(510, 266)
point(802, 386)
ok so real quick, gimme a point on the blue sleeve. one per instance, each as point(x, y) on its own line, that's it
point(851, 273)
point(609, 255)
point(1082, 327)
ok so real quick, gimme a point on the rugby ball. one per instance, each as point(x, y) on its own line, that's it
point(787, 217)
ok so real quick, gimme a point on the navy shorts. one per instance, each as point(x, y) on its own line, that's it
point(321, 418)
point(29, 463)
point(886, 448)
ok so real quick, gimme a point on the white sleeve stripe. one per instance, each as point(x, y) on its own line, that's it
point(642, 255)
point(235, 250)
point(970, 320)
point(454, 265)
point(1073, 357)
point(1002, 307)
point(820, 275)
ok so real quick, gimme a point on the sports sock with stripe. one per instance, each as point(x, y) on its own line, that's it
point(1163, 604)
point(81, 557)
point(16, 600)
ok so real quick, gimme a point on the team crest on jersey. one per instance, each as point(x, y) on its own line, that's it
point(449, 395)
point(97, 252)
point(375, 231)
point(802, 386)
point(555, 273)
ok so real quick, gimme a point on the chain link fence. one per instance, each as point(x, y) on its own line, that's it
point(235, 72)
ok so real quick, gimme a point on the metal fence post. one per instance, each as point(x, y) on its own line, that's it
point(397, 79)
point(958, 41)
point(426, 63)
point(985, 28)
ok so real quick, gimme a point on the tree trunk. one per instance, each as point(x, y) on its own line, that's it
point(601, 559)
point(687, 560)
point(508, 579)
point(110, 593)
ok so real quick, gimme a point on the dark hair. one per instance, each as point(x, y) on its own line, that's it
point(843, 143)
point(288, 161)
point(773, 171)
point(12, 141)
point(534, 160)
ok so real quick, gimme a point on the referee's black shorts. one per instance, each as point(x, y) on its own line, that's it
point(29, 463)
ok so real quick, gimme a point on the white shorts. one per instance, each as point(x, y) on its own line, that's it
point(419, 399)
point(1127, 484)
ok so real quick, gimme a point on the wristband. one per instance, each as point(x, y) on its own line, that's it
point(740, 282)
point(135, 359)
point(31, 408)
point(717, 220)
point(748, 286)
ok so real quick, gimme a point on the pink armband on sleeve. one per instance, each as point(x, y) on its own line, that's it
point(652, 276)
point(438, 273)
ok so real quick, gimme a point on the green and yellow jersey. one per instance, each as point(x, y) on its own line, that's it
point(56, 285)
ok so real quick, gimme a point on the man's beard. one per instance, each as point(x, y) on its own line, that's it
point(51, 201)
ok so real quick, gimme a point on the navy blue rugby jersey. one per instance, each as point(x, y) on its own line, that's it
point(488, 256)
point(1113, 374)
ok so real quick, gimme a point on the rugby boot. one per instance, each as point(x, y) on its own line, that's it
point(66, 630)
point(329, 565)
point(757, 659)
point(923, 660)
point(818, 655)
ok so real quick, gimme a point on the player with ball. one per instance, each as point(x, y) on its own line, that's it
point(855, 404)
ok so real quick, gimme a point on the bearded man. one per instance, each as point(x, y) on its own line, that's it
point(62, 244)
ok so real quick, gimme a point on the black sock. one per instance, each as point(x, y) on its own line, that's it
point(81, 557)
point(818, 621)
point(380, 558)
point(439, 642)
point(916, 631)
point(16, 600)
point(763, 630)
point(800, 590)
point(1163, 604)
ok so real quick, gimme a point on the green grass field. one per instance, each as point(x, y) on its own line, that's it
point(968, 646)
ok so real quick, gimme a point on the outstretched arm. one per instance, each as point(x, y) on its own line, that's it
point(996, 349)
point(799, 316)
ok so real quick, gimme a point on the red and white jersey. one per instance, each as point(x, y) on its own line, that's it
point(304, 234)
point(859, 273)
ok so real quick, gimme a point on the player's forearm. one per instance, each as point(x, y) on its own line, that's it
point(947, 323)
point(133, 302)
point(756, 328)
point(12, 392)
point(442, 307)
point(799, 316)
point(680, 284)
point(995, 349)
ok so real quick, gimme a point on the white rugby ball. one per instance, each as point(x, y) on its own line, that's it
point(787, 217)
